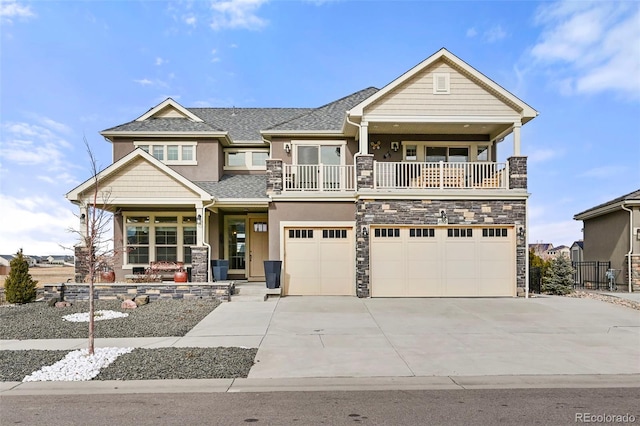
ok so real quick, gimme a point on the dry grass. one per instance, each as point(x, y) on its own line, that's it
point(47, 275)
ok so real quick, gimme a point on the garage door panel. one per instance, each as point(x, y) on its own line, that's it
point(321, 264)
point(444, 261)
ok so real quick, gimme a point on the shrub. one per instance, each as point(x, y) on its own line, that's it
point(19, 287)
point(559, 276)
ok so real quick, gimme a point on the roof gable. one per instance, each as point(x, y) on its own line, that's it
point(139, 162)
point(169, 109)
point(610, 206)
point(443, 56)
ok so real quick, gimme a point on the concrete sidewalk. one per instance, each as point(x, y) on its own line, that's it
point(409, 342)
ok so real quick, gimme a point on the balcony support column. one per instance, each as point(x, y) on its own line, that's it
point(364, 137)
point(516, 139)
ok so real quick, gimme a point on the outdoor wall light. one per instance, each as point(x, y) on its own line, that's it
point(287, 148)
point(199, 219)
point(443, 220)
point(395, 146)
point(521, 233)
point(83, 218)
point(365, 231)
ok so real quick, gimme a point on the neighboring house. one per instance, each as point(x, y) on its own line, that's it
point(5, 263)
point(612, 233)
point(577, 251)
point(541, 250)
point(394, 192)
point(559, 251)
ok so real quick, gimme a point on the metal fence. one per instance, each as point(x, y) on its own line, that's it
point(535, 280)
point(591, 274)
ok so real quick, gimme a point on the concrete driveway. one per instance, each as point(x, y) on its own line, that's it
point(351, 337)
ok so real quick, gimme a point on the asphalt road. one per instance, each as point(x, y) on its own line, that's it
point(429, 407)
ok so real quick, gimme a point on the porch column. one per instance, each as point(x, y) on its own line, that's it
point(516, 139)
point(200, 221)
point(84, 220)
point(364, 137)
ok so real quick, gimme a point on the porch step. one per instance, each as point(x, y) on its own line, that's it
point(253, 292)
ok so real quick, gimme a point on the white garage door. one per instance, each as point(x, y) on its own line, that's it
point(319, 261)
point(442, 261)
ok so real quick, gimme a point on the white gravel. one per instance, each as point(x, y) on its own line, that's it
point(77, 366)
point(98, 316)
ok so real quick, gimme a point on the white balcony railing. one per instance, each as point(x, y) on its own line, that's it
point(441, 175)
point(318, 178)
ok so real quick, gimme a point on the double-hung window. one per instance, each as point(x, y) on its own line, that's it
point(171, 152)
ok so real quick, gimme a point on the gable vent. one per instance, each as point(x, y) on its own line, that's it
point(441, 83)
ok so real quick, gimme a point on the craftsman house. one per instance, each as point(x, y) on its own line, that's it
point(392, 192)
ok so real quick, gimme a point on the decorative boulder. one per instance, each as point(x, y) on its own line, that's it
point(62, 304)
point(128, 304)
point(141, 300)
point(52, 302)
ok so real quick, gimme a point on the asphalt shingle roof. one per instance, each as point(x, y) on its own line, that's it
point(635, 195)
point(237, 186)
point(165, 125)
point(245, 124)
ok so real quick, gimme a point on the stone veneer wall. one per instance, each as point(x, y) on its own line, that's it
point(199, 264)
point(426, 212)
point(274, 176)
point(81, 264)
point(635, 272)
point(155, 291)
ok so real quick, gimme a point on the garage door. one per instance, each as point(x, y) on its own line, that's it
point(442, 261)
point(319, 261)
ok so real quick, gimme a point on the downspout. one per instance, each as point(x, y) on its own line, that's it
point(357, 154)
point(206, 244)
point(526, 249)
point(630, 244)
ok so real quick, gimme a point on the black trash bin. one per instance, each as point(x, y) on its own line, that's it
point(220, 268)
point(272, 271)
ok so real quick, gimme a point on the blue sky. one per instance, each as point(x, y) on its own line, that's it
point(71, 69)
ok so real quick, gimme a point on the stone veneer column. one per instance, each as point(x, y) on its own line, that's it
point(518, 180)
point(81, 264)
point(364, 180)
point(274, 176)
point(517, 172)
point(199, 264)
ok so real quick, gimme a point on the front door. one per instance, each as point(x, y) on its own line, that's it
point(258, 248)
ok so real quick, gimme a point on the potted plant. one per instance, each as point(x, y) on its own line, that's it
point(180, 276)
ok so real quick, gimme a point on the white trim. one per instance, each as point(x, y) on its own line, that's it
point(609, 208)
point(248, 159)
point(527, 112)
point(443, 194)
point(170, 102)
point(165, 145)
point(312, 196)
point(439, 119)
point(179, 225)
point(295, 144)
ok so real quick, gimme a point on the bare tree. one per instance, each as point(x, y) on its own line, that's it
point(94, 220)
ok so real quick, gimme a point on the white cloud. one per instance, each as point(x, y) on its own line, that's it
point(591, 47)
point(472, 32)
point(161, 61)
point(190, 20)
point(236, 14)
point(538, 155)
point(27, 144)
point(10, 9)
point(39, 225)
point(604, 171)
point(144, 82)
point(494, 34)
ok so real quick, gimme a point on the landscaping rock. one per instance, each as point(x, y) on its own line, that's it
point(141, 300)
point(52, 302)
point(62, 304)
point(128, 304)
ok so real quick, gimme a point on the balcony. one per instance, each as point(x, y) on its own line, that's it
point(318, 178)
point(441, 175)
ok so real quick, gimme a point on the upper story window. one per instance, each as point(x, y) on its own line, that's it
point(245, 159)
point(171, 152)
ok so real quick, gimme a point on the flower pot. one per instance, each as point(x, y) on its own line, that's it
point(107, 276)
point(180, 276)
